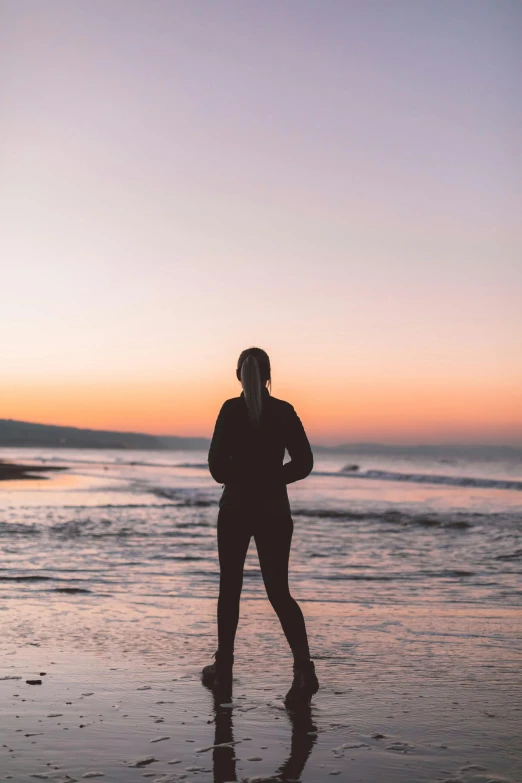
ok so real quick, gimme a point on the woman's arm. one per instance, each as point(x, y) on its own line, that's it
point(297, 445)
point(219, 456)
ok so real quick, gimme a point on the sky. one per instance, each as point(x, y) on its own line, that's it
point(338, 183)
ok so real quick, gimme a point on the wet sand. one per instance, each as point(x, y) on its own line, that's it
point(419, 694)
point(12, 471)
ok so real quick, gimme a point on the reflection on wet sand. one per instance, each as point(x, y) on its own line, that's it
point(224, 757)
point(304, 736)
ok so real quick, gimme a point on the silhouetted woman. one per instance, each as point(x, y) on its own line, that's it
point(246, 456)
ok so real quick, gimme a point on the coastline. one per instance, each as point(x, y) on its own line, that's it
point(108, 591)
point(14, 471)
point(121, 700)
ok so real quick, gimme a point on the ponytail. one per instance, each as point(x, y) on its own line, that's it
point(253, 370)
point(251, 382)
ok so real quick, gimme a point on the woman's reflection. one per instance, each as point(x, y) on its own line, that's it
point(304, 737)
point(224, 757)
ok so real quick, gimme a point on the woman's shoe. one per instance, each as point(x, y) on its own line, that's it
point(218, 675)
point(304, 686)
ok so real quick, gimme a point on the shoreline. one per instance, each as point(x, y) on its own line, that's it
point(108, 590)
point(132, 705)
point(14, 471)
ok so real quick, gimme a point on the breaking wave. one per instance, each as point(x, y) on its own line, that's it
point(426, 478)
point(457, 520)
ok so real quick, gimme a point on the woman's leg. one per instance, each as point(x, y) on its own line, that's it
point(273, 537)
point(233, 539)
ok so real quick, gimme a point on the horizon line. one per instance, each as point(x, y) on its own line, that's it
point(344, 444)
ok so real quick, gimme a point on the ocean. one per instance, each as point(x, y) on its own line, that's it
point(397, 529)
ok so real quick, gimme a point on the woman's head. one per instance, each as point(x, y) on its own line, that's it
point(260, 358)
point(253, 371)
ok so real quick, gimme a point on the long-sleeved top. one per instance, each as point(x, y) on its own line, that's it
point(248, 460)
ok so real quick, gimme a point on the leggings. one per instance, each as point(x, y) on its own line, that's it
point(273, 536)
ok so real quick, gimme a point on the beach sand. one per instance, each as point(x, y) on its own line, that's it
point(14, 471)
point(420, 694)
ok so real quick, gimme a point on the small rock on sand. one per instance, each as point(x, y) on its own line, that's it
point(254, 758)
point(89, 693)
point(143, 762)
point(93, 775)
point(159, 739)
point(55, 715)
point(34, 682)
point(211, 747)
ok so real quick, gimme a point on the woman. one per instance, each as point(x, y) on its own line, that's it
point(246, 456)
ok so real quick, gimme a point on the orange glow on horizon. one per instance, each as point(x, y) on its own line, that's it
point(400, 412)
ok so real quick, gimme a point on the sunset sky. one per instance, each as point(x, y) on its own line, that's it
point(337, 182)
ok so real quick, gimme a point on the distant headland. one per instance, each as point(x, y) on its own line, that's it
point(24, 433)
point(27, 434)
